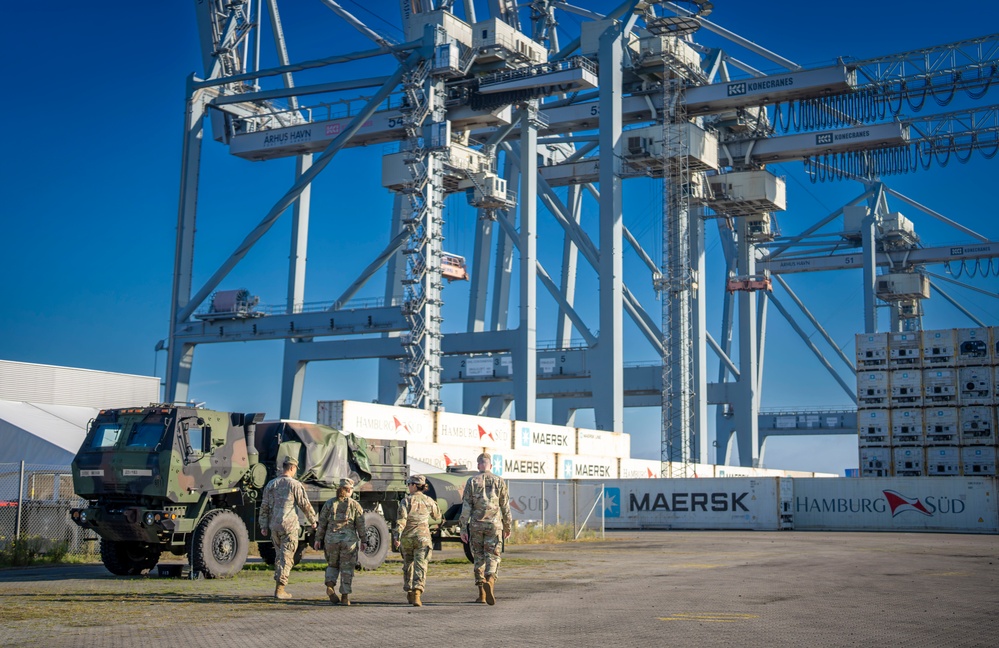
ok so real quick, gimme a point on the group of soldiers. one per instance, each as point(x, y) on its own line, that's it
point(485, 521)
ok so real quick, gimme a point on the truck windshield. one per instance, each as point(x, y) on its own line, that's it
point(146, 434)
point(106, 435)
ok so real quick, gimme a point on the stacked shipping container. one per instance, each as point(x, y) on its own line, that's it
point(927, 402)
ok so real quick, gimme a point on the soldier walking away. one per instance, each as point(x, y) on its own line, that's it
point(417, 513)
point(341, 529)
point(485, 515)
point(277, 513)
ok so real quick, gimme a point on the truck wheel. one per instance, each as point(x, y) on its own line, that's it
point(267, 552)
point(376, 540)
point(468, 551)
point(128, 558)
point(300, 551)
point(220, 545)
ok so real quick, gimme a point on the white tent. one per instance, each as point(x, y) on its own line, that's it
point(42, 434)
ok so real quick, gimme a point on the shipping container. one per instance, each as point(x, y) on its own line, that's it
point(906, 388)
point(974, 346)
point(872, 351)
point(875, 462)
point(975, 385)
point(979, 460)
point(603, 443)
point(978, 426)
point(373, 421)
point(513, 464)
point(468, 430)
point(874, 427)
point(443, 457)
point(940, 386)
point(939, 348)
point(543, 438)
point(904, 350)
point(872, 388)
point(955, 505)
point(942, 425)
point(943, 461)
point(641, 469)
point(908, 462)
point(907, 427)
point(586, 467)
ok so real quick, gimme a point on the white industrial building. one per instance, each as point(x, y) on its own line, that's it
point(44, 409)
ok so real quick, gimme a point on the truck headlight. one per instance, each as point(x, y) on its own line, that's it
point(148, 518)
point(83, 516)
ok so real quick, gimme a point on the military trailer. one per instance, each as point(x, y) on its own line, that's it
point(186, 480)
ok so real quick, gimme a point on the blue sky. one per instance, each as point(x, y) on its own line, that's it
point(93, 104)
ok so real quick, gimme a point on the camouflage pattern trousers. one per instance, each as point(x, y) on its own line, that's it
point(416, 554)
point(285, 545)
point(341, 558)
point(484, 541)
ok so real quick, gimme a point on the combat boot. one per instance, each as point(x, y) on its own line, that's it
point(330, 592)
point(344, 599)
point(280, 593)
point(409, 597)
point(489, 586)
point(482, 594)
point(416, 598)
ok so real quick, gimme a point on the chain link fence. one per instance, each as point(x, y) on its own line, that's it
point(564, 502)
point(35, 500)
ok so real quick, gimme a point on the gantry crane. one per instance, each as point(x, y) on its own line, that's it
point(477, 106)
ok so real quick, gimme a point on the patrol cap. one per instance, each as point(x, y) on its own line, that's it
point(485, 456)
point(290, 461)
point(417, 480)
point(347, 482)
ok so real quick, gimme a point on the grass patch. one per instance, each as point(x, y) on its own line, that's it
point(549, 534)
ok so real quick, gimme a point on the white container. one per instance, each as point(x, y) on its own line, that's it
point(603, 444)
point(908, 462)
point(942, 425)
point(468, 430)
point(907, 427)
point(906, 388)
point(872, 388)
point(640, 469)
point(978, 426)
point(940, 386)
point(543, 438)
point(975, 385)
point(939, 348)
point(510, 464)
point(903, 350)
point(443, 457)
point(872, 350)
point(874, 426)
point(373, 421)
point(875, 462)
point(979, 460)
point(586, 467)
point(943, 461)
point(973, 346)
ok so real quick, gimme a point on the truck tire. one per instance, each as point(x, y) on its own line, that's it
point(377, 541)
point(468, 551)
point(267, 552)
point(220, 544)
point(128, 558)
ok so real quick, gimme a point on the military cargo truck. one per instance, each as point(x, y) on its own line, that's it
point(187, 480)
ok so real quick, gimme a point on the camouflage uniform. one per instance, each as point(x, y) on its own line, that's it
point(277, 512)
point(417, 513)
point(341, 526)
point(485, 509)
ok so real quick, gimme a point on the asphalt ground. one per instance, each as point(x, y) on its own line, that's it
point(632, 589)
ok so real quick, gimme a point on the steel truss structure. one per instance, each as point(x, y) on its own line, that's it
point(482, 106)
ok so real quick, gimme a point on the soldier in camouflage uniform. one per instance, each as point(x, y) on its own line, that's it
point(341, 528)
point(485, 515)
point(277, 513)
point(417, 513)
